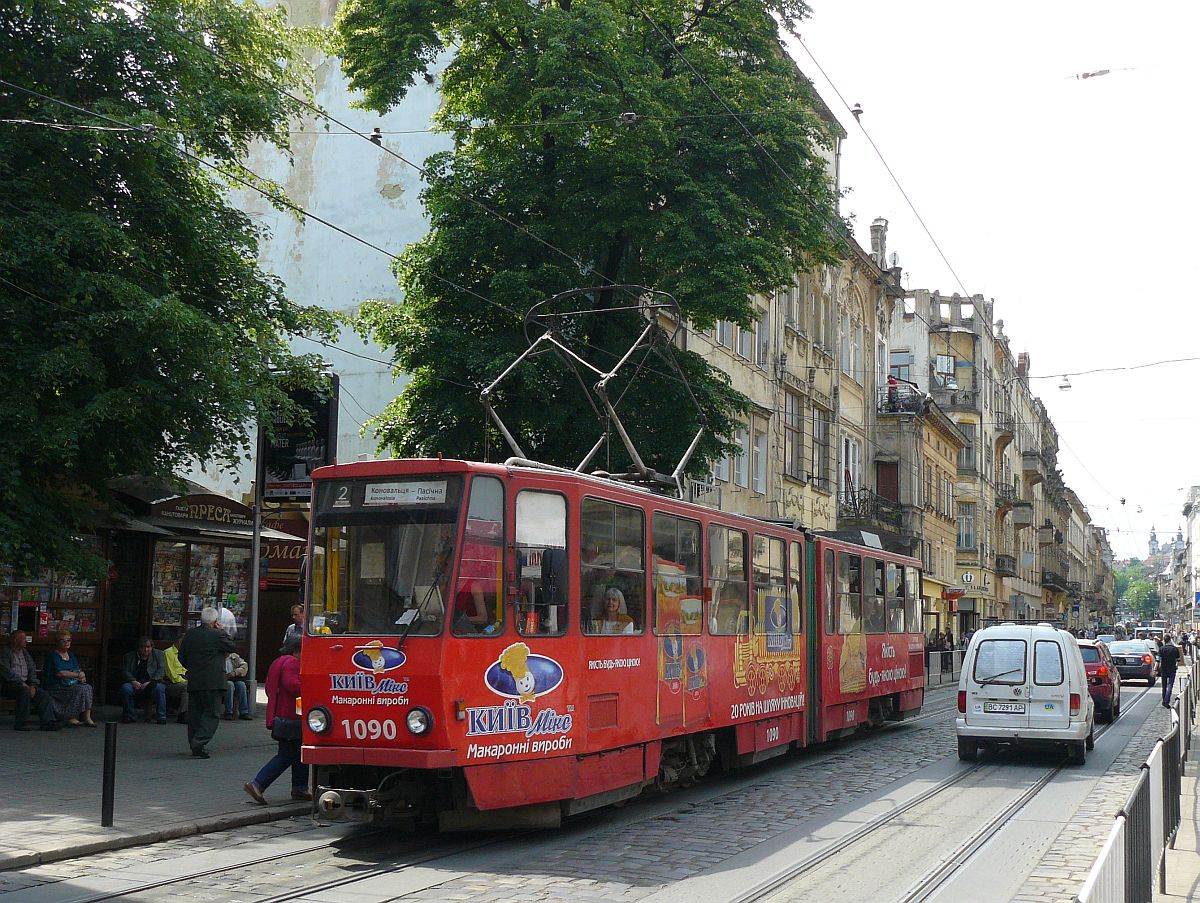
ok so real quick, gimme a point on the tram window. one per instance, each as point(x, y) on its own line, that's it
point(478, 596)
point(895, 599)
point(613, 547)
point(387, 571)
point(541, 535)
point(828, 595)
point(676, 574)
point(912, 600)
point(849, 593)
point(728, 608)
point(796, 585)
point(772, 611)
point(874, 618)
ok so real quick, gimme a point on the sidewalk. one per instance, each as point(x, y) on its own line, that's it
point(1183, 861)
point(53, 786)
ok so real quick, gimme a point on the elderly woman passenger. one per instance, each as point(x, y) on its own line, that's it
point(64, 680)
point(614, 616)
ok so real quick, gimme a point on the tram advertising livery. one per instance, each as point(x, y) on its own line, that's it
point(491, 645)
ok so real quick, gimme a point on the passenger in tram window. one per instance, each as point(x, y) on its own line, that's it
point(614, 614)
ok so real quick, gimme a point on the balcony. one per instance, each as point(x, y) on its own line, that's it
point(703, 492)
point(1005, 426)
point(1054, 581)
point(1022, 514)
point(1006, 566)
point(904, 398)
point(956, 399)
point(1075, 588)
point(1032, 467)
point(865, 507)
point(1055, 568)
point(1006, 497)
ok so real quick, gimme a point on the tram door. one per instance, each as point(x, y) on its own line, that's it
point(821, 613)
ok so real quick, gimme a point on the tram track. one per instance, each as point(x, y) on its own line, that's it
point(931, 883)
point(199, 874)
point(423, 855)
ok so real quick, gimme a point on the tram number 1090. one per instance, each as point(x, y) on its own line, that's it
point(370, 730)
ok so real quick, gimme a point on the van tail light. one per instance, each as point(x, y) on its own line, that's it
point(1147, 659)
point(962, 701)
point(1102, 671)
point(1075, 703)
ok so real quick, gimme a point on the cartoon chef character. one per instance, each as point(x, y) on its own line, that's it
point(515, 660)
point(374, 652)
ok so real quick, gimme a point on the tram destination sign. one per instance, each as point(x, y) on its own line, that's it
point(374, 497)
point(410, 492)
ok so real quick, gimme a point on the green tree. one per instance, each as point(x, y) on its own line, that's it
point(1142, 596)
point(677, 197)
point(139, 331)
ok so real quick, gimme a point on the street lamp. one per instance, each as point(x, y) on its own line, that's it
point(1065, 384)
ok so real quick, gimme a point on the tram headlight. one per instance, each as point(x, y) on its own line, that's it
point(419, 721)
point(319, 721)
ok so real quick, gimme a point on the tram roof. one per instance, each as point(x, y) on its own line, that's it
point(394, 466)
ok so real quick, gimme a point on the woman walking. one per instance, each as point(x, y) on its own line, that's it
point(283, 686)
point(66, 683)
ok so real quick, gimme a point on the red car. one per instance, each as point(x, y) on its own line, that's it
point(1104, 680)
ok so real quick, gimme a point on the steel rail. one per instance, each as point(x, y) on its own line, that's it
point(217, 870)
point(927, 886)
point(382, 870)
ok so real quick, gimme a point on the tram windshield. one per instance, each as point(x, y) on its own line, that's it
point(382, 556)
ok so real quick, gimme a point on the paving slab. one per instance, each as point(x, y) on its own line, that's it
point(54, 787)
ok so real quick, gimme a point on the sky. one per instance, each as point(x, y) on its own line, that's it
point(1073, 203)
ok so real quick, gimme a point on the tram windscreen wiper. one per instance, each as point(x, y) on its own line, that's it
point(412, 616)
point(987, 680)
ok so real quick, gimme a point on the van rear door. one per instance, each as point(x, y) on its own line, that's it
point(995, 684)
point(1049, 690)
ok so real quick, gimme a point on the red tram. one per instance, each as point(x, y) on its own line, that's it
point(498, 644)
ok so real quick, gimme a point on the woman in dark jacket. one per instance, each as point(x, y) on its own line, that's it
point(283, 686)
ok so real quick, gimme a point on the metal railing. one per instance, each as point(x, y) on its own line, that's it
point(942, 667)
point(866, 505)
point(1135, 851)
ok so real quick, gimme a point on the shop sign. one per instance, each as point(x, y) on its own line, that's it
point(214, 510)
point(284, 556)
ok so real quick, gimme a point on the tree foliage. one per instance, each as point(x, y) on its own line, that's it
point(677, 197)
point(139, 331)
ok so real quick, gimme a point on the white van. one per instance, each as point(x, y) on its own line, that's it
point(1024, 684)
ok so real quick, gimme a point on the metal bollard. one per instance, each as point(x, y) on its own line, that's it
point(110, 773)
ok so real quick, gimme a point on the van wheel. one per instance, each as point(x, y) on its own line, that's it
point(966, 749)
point(1077, 752)
point(1090, 742)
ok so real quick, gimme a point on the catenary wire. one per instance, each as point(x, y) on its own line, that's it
point(273, 197)
point(579, 264)
point(886, 166)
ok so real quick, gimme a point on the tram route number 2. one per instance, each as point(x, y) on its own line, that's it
point(370, 730)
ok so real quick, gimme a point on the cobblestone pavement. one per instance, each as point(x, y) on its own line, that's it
point(1064, 868)
point(629, 854)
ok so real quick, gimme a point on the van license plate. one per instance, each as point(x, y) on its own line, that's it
point(1012, 708)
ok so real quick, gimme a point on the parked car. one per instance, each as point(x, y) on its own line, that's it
point(1135, 660)
point(1024, 684)
point(1104, 680)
